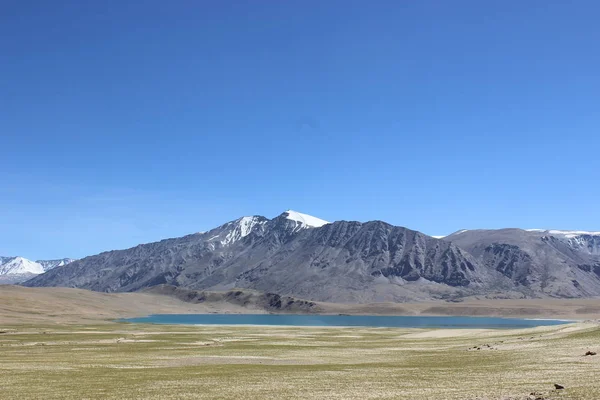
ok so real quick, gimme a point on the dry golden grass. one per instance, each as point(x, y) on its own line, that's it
point(130, 361)
point(66, 305)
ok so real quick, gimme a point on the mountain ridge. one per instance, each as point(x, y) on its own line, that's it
point(560, 262)
point(298, 255)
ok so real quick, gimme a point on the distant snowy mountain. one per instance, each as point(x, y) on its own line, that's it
point(20, 269)
point(19, 265)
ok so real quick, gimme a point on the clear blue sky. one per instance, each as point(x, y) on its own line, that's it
point(131, 121)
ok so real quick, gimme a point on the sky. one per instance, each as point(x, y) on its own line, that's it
point(132, 121)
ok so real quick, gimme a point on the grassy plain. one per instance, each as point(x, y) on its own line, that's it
point(58, 343)
point(131, 361)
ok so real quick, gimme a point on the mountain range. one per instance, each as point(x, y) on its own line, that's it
point(20, 269)
point(298, 255)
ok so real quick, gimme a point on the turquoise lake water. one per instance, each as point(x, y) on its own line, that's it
point(344, 320)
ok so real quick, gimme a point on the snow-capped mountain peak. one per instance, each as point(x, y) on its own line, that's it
point(19, 265)
point(19, 269)
point(305, 219)
point(234, 231)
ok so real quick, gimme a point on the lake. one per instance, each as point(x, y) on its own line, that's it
point(345, 320)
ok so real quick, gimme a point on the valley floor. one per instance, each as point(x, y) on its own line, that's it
point(61, 344)
point(130, 361)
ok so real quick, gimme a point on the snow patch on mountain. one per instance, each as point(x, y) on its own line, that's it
point(567, 234)
point(237, 230)
point(50, 264)
point(242, 229)
point(305, 219)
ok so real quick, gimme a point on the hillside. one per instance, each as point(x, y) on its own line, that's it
point(301, 256)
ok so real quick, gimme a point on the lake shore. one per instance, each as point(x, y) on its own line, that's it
point(64, 305)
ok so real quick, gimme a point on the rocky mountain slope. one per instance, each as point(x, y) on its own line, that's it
point(553, 262)
point(20, 269)
point(292, 255)
point(47, 265)
point(305, 257)
point(250, 299)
